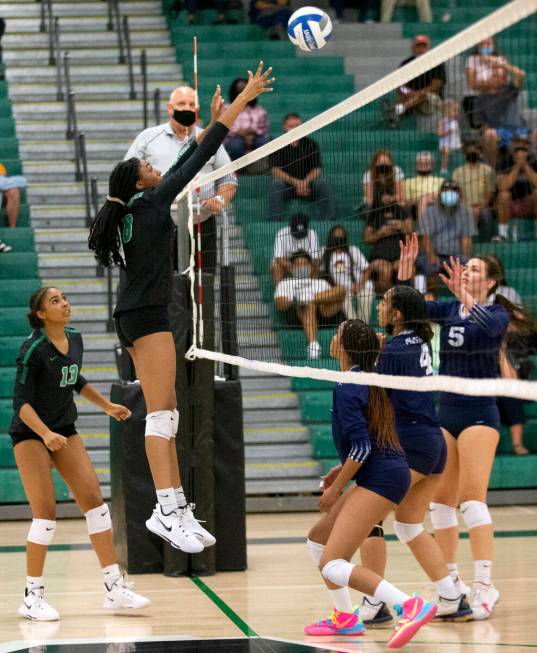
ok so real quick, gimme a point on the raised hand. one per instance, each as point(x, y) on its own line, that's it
point(453, 276)
point(258, 83)
point(217, 104)
point(409, 248)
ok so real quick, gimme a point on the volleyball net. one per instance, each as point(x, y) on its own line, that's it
point(445, 145)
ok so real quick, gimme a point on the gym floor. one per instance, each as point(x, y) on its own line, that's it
point(261, 610)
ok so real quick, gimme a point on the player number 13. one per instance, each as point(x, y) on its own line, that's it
point(69, 375)
point(456, 336)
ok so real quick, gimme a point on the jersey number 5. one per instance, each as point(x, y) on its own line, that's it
point(456, 336)
point(426, 360)
point(69, 375)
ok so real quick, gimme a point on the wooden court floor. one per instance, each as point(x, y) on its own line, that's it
point(278, 594)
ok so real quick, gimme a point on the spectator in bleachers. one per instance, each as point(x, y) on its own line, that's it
point(449, 133)
point(296, 174)
point(10, 200)
point(383, 182)
point(385, 226)
point(163, 144)
point(272, 16)
point(423, 93)
point(344, 265)
point(192, 6)
point(477, 182)
point(422, 190)
point(251, 128)
point(309, 301)
point(423, 6)
point(368, 10)
point(296, 237)
point(480, 66)
point(500, 110)
point(447, 228)
point(517, 188)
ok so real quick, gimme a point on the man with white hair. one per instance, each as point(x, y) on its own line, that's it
point(161, 145)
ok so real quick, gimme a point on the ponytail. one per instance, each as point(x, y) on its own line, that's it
point(36, 304)
point(362, 347)
point(105, 232)
point(413, 308)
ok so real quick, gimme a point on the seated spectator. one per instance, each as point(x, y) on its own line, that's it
point(423, 93)
point(294, 238)
point(385, 226)
point(517, 188)
point(175, 7)
point(480, 66)
point(345, 266)
point(422, 189)
point(383, 182)
point(446, 228)
point(423, 6)
point(477, 182)
point(296, 173)
point(251, 129)
point(272, 16)
point(449, 133)
point(10, 194)
point(500, 110)
point(309, 301)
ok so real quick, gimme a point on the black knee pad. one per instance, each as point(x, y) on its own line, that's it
point(377, 531)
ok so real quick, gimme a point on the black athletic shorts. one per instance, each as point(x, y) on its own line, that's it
point(140, 322)
point(511, 410)
point(67, 431)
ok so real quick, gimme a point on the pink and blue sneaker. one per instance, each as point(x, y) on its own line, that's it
point(339, 623)
point(414, 613)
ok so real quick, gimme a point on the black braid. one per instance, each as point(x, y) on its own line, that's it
point(105, 233)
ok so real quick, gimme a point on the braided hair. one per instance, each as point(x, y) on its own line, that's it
point(105, 233)
point(361, 345)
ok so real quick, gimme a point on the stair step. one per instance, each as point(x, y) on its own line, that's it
point(97, 22)
point(278, 416)
point(118, 90)
point(28, 57)
point(265, 400)
point(262, 433)
point(88, 74)
point(27, 9)
point(285, 469)
point(277, 451)
point(282, 486)
point(71, 40)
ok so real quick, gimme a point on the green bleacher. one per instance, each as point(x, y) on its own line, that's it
point(19, 277)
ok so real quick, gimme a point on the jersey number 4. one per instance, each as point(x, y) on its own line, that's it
point(69, 375)
point(456, 336)
point(426, 360)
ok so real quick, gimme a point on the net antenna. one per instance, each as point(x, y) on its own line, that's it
point(501, 19)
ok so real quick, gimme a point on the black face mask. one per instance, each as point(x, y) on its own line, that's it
point(184, 117)
point(423, 173)
point(383, 169)
point(338, 242)
point(472, 157)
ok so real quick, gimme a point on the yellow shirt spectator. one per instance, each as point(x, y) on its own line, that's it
point(476, 181)
point(416, 187)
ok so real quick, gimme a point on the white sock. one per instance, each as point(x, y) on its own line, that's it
point(167, 500)
point(503, 230)
point(34, 582)
point(180, 496)
point(453, 571)
point(388, 593)
point(341, 599)
point(446, 588)
point(372, 600)
point(111, 574)
point(482, 571)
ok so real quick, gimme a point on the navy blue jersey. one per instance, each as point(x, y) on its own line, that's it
point(408, 355)
point(46, 379)
point(349, 426)
point(469, 343)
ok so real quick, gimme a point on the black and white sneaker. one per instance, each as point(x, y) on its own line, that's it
point(454, 609)
point(5, 248)
point(35, 607)
point(170, 528)
point(374, 615)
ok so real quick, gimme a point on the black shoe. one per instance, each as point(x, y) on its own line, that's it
point(383, 616)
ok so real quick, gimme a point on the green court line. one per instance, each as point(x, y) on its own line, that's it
point(224, 607)
point(253, 541)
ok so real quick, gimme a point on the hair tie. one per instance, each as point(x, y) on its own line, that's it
point(116, 199)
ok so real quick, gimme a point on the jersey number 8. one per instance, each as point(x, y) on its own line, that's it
point(69, 375)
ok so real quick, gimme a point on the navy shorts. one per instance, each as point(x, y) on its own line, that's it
point(67, 431)
point(425, 449)
point(456, 417)
point(389, 477)
point(140, 322)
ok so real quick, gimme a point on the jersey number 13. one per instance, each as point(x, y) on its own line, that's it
point(69, 375)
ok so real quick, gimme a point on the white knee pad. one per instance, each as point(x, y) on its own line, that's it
point(442, 516)
point(338, 572)
point(407, 532)
point(316, 550)
point(98, 519)
point(160, 424)
point(41, 531)
point(175, 419)
point(475, 513)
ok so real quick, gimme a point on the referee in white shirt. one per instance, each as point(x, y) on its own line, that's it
point(161, 145)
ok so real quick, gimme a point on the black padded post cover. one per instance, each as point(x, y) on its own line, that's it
point(133, 494)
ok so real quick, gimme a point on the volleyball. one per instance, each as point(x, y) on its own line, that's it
point(309, 28)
